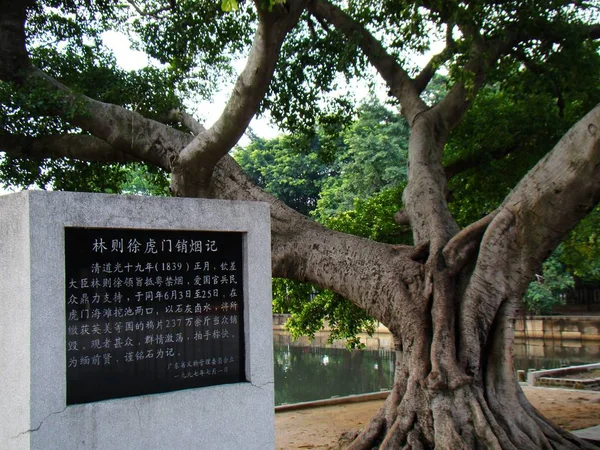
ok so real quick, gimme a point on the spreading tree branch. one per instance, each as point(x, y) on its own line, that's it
point(194, 166)
point(153, 13)
point(75, 146)
point(126, 131)
point(457, 101)
point(397, 79)
point(375, 275)
point(482, 57)
point(424, 77)
point(462, 247)
point(187, 120)
point(485, 52)
point(546, 204)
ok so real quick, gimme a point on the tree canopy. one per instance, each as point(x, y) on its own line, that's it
point(288, 167)
point(482, 171)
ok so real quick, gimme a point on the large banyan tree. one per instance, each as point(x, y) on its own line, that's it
point(450, 298)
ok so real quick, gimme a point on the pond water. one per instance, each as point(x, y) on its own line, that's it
point(306, 371)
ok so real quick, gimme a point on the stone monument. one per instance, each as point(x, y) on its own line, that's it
point(132, 322)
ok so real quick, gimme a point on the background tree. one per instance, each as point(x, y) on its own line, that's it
point(289, 167)
point(371, 157)
point(449, 297)
point(549, 288)
point(581, 250)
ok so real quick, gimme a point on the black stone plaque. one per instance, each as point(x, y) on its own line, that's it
point(151, 311)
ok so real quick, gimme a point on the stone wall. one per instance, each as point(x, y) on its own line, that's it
point(559, 328)
point(540, 327)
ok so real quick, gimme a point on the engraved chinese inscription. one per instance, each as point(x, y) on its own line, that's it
point(150, 311)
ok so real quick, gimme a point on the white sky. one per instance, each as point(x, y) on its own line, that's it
point(206, 112)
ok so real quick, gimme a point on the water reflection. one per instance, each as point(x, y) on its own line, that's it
point(307, 370)
point(313, 373)
point(536, 354)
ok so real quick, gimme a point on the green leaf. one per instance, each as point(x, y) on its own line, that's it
point(229, 5)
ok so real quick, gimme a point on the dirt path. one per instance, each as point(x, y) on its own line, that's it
point(319, 428)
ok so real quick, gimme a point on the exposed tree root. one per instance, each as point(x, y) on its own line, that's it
point(460, 419)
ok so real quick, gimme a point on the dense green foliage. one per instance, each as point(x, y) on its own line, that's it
point(373, 218)
point(512, 124)
point(324, 173)
point(581, 250)
point(357, 192)
point(310, 307)
point(142, 179)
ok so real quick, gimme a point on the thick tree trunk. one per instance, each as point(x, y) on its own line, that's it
point(455, 385)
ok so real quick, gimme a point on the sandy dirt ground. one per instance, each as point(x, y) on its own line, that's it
point(320, 428)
